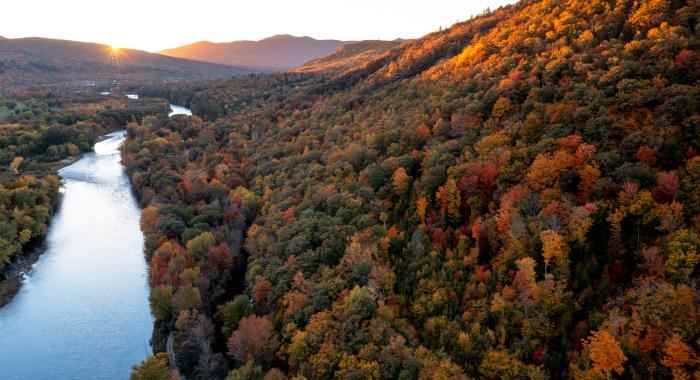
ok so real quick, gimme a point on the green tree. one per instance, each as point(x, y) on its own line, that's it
point(683, 254)
point(154, 367)
point(160, 299)
point(199, 246)
point(248, 371)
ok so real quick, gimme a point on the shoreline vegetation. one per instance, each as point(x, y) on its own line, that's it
point(21, 266)
point(34, 151)
point(90, 282)
point(22, 263)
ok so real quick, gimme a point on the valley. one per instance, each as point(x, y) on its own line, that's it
point(515, 196)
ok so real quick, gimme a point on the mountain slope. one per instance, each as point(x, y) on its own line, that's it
point(347, 56)
point(515, 197)
point(274, 53)
point(46, 61)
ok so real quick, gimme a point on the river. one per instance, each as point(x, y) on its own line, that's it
point(179, 110)
point(82, 311)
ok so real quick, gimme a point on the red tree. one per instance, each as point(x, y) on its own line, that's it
point(254, 340)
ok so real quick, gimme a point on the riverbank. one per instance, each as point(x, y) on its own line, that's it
point(86, 282)
point(21, 265)
point(19, 269)
point(12, 276)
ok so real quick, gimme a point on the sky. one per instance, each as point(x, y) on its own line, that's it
point(155, 25)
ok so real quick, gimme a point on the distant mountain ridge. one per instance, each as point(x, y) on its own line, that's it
point(348, 56)
point(279, 52)
point(35, 60)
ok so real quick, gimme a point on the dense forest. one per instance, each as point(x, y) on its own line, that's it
point(517, 196)
point(40, 132)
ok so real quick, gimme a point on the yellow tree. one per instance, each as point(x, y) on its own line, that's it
point(605, 352)
point(579, 223)
point(683, 254)
point(450, 199)
point(15, 164)
point(401, 180)
point(677, 354)
point(553, 248)
point(153, 368)
point(589, 175)
point(501, 108)
point(149, 219)
point(542, 173)
point(525, 281)
point(421, 206)
point(649, 13)
point(500, 365)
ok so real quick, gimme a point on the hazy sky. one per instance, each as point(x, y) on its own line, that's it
point(155, 24)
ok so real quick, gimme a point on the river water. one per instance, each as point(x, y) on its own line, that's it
point(82, 311)
point(179, 110)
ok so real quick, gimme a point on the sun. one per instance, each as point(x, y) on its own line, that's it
point(114, 48)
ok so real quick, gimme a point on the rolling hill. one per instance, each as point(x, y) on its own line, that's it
point(348, 56)
point(275, 53)
point(27, 61)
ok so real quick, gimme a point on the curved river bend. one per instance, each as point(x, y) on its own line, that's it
point(82, 311)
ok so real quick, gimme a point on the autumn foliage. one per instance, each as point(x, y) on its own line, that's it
point(513, 197)
point(254, 340)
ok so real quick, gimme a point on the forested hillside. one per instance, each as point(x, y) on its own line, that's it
point(516, 196)
point(347, 56)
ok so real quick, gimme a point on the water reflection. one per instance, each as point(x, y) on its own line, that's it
point(179, 110)
point(82, 312)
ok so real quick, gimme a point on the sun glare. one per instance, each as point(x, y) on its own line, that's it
point(114, 48)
